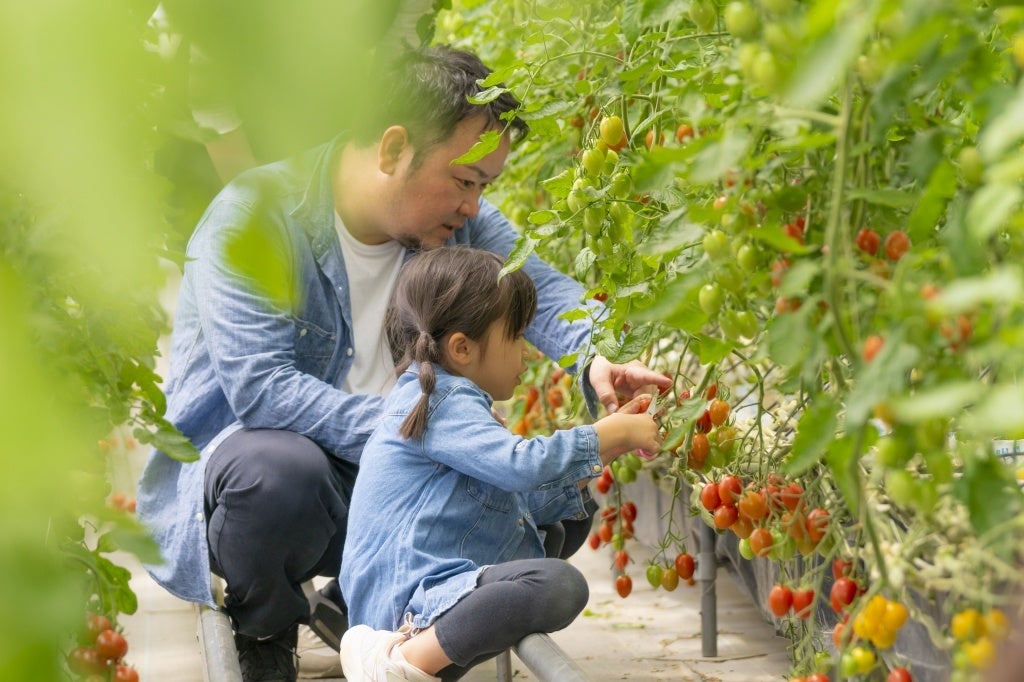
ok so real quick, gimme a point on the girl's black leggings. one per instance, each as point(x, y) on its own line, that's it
point(511, 600)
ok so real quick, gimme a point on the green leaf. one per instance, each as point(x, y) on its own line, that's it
point(714, 160)
point(560, 185)
point(1005, 131)
point(814, 432)
point(942, 185)
point(488, 95)
point(1002, 285)
point(636, 342)
point(991, 499)
point(999, 413)
point(886, 375)
point(172, 442)
point(710, 350)
point(520, 252)
point(776, 238)
point(937, 401)
point(822, 69)
point(890, 197)
point(256, 254)
point(991, 207)
point(844, 470)
point(487, 143)
point(542, 217)
point(789, 336)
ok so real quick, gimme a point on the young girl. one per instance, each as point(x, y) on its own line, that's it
point(443, 564)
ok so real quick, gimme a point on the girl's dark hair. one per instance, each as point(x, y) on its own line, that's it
point(446, 290)
point(427, 91)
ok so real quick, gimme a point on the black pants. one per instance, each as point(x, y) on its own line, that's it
point(276, 509)
point(511, 600)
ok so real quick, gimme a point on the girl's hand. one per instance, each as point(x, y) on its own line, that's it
point(622, 432)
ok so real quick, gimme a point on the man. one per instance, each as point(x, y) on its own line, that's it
point(278, 362)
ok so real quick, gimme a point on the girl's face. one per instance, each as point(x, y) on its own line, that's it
point(498, 362)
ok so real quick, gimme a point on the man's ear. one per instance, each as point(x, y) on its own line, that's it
point(460, 349)
point(393, 143)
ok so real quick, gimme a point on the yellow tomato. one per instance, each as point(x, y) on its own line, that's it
point(895, 615)
point(996, 625)
point(966, 624)
point(883, 639)
point(864, 659)
point(981, 652)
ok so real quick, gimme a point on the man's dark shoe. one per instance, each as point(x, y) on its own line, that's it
point(268, 660)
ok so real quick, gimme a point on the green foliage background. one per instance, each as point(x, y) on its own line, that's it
point(103, 173)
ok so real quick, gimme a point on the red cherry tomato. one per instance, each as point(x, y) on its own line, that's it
point(802, 600)
point(684, 565)
point(623, 585)
point(780, 600)
point(899, 675)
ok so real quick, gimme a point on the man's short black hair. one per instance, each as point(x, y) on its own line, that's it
point(427, 91)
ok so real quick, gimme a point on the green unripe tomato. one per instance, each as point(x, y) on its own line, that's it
point(703, 14)
point(748, 258)
point(939, 464)
point(593, 162)
point(611, 129)
point(576, 201)
point(654, 575)
point(621, 214)
point(741, 19)
point(632, 461)
point(710, 298)
point(621, 185)
point(593, 218)
point(730, 277)
point(765, 70)
point(900, 484)
point(716, 245)
point(971, 166)
point(891, 453)
point(729, 325)
point(744, 547)
point(747, 322)
point(611, 160)
point(780, 7)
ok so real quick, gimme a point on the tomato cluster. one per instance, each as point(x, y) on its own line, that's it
point(100, 653)
point(537, 409)
point(977, 636)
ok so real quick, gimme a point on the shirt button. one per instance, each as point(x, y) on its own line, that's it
point(199, 517)
point(302, 332)
point(349, 352)
point(597, 468)
point(520, 522)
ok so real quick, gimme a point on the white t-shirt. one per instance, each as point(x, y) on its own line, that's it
point(372, 271)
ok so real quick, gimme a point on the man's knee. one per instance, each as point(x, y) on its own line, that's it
point(284, 467)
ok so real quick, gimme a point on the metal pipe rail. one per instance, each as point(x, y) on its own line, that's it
point(543, 658)
point(217, 646)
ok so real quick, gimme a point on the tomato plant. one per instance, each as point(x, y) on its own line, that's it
point(852, 175)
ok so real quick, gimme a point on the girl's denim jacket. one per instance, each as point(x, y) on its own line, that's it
point(243, 358)
point(428, 514)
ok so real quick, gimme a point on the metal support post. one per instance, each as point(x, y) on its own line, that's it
point(707, 569)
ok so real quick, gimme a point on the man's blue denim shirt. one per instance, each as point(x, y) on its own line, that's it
point(429, 514)
point(241, 360)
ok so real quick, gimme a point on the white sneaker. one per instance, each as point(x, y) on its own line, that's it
point(316, 660)
point(366, 657)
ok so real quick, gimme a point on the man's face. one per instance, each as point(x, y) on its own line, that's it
point(432, 200)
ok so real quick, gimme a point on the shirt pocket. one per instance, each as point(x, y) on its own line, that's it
point(497, 531)
point(314, 348)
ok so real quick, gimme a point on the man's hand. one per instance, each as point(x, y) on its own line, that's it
point(630, 379)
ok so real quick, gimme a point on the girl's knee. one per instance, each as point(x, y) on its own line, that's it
point(568, 594)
